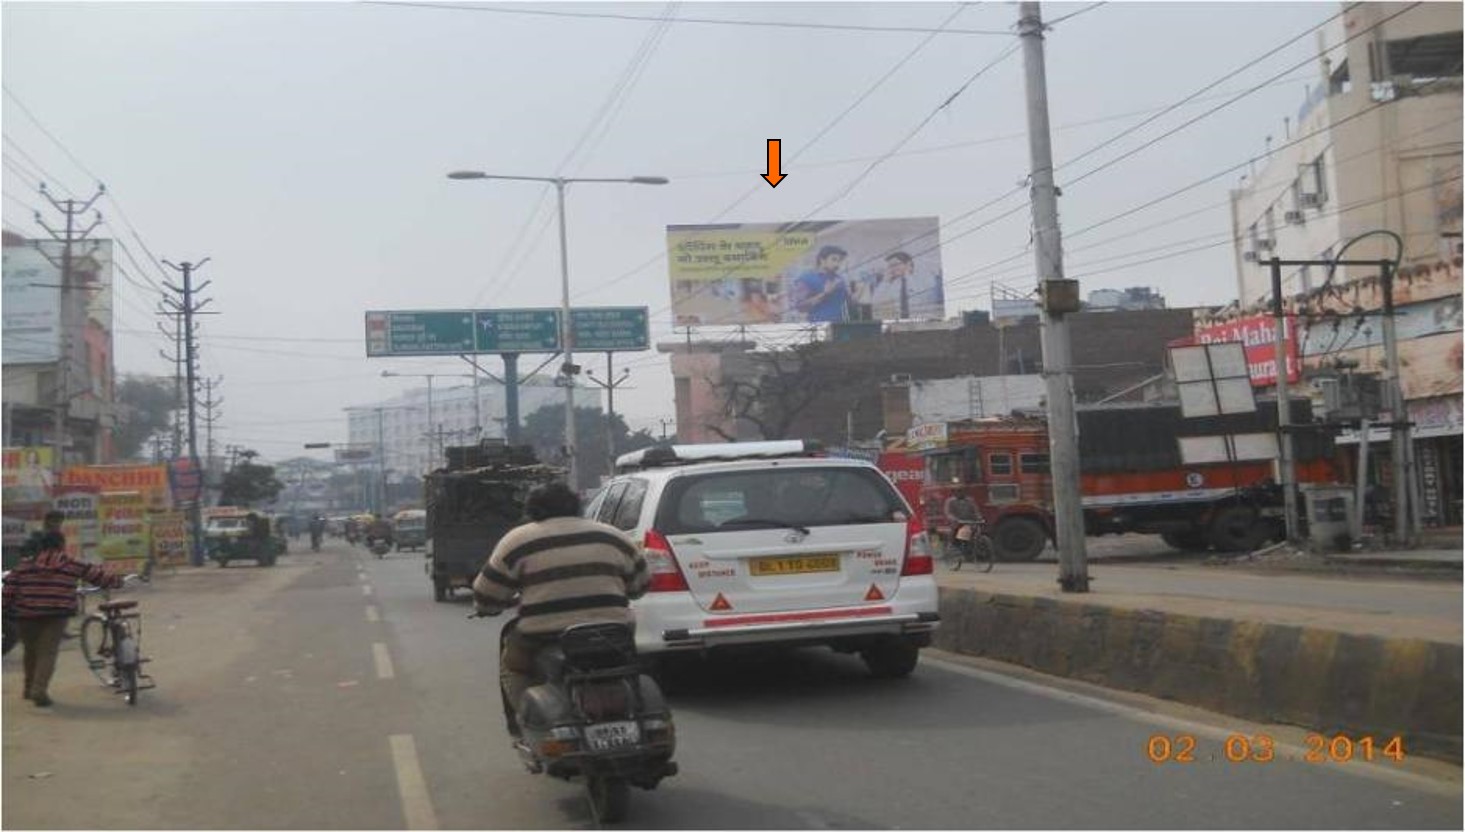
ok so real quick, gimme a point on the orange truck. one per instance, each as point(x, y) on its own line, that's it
point(1135, 477)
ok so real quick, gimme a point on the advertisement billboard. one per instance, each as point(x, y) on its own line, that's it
point(811, 272)
point(27, 475)
point(1257, 335)
point(30, 307)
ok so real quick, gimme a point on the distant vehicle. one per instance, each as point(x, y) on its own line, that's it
point(472, 503)
point(411, 529)
point(771, 544)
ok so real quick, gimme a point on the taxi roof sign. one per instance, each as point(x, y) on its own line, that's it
point(662, 456)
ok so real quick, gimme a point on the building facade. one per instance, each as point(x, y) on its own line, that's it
point(411, 439)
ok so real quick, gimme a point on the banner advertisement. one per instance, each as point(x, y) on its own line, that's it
point(1351, 332)
point(151, 481)
point(1258, 335)
point(812, 272)
point(170, 539)
point(80, 506)
point(124, 526)
point(31, 302)
point(27, 476)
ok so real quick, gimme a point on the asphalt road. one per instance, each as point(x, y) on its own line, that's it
point(332, 692)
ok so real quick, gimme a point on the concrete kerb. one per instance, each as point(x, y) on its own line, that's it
point(1331, 682)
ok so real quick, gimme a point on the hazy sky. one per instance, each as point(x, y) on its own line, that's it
point(303, 147)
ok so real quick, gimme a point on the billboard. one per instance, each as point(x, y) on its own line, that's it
point(809, 272)
point(1258, 336)
point(30, 312)
point(27, 475)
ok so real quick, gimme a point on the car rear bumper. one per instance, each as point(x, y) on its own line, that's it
point(831, 625)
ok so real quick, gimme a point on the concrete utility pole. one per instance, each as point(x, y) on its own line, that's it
point(1288, 461)
point(188, 305)
point(176, 359)
point(1059, 297)
point(210, 416)
point(68, 329)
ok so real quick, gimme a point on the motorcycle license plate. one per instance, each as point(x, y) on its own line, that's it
point(610, 735)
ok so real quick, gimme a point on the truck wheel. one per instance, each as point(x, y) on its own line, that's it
point(1236, 529)
point(1019, 539)
point(440, 591)
point(1190, 540)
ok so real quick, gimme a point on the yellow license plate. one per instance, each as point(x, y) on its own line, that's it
point(798, 565)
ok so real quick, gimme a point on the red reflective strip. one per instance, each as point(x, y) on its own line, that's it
point(815, 615)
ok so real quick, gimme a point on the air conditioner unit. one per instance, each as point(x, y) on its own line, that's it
point(1293, 217)
point(1311, 200)
point(1266, 245)
point(1248, 256)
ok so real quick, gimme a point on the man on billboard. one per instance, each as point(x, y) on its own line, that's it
point(822, 294)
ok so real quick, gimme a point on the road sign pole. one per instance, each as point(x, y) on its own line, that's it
point(511, 398)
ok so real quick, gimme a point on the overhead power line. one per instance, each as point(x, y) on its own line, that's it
point(707, 21)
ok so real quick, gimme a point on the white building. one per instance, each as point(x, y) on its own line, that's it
point(412, 439)
point(1375, 145)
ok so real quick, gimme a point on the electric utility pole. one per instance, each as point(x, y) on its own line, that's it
point(188, 305)
point(68, 329)
point(1059, 298)
point(211, 415)
point(609, 385)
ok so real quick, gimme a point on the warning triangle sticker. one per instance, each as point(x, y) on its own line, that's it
point(874, 594)
point(720, 604)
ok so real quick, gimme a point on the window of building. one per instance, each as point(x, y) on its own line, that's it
point(1000, 464)
point(1033, 463)
point(1340, 82)
point(1425, 58)
point(1320, 178)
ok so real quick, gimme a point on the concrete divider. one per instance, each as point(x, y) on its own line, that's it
point(1332, 682)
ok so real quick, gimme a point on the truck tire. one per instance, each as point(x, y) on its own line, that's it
point(1190, 540)
point(440, 591)
point(1019, 539)
point(1237, 529)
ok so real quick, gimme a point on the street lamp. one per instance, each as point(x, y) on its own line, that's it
point(568, 369)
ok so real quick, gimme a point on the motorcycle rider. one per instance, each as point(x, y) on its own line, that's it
point(317, 531)
point(378, 529)
point(562, 570)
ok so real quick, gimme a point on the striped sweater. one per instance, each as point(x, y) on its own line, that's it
point(565, 571)
point(45, 585)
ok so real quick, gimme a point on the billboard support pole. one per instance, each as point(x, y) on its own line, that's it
point(1059, 298)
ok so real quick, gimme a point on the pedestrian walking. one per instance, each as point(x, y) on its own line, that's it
point(40, 594)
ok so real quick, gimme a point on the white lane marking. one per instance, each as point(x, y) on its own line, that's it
point(372, 614)
point(383, 661)
point(1283, 749)
point(366, 589)
point(361, 576)
point(417, 809)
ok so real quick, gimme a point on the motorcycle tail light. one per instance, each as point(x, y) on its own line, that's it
point(658, 731)
point(561, 741)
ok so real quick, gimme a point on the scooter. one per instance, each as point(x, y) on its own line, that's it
point(596, 718)
point(379, 546)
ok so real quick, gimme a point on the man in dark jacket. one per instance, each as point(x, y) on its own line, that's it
point(40, 592)
point(562, 570)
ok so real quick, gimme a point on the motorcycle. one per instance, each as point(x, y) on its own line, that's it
point(315, 541)
point(593, 716)
point(379, 546)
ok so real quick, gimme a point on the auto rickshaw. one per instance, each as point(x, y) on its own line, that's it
point(411, 529)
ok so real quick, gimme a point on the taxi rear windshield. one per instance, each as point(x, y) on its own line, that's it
point(778, 498)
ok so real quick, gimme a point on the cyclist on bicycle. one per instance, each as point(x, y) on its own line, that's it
point(41, 593)
point(960, 512)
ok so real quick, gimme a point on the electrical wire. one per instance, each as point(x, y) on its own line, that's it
point(778, 24)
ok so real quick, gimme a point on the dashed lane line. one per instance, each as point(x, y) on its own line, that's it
point(417, 811)
point(366, 589)
point(383, 661)
point(372, 613)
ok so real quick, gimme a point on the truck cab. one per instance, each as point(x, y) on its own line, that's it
point(1004, 470)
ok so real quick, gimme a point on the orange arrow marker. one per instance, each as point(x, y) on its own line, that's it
point(775, 162)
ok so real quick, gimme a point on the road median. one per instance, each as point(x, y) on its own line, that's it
point(1325, 679)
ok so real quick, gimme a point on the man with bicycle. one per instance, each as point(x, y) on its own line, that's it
point(40, 593)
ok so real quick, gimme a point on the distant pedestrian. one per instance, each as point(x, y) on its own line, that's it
point(40, 594)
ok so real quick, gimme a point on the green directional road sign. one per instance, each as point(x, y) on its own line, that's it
point(517, 330)
point(610, 328)
point(446, 332)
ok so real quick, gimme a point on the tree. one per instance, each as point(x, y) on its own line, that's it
point(777, 389)
point(544, 429)
point(247, 483)
point(145, 404)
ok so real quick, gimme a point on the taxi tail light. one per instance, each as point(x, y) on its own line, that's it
point(666, 573)
point(918, 560)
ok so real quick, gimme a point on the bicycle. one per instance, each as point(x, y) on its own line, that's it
point(970, 544)
point(111, 644)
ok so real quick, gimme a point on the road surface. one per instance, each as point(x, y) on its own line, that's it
point(332, 692)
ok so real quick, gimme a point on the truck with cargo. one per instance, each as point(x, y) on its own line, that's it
point(472, 503)
point(1200, 483)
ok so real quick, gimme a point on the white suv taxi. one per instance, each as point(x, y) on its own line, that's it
point(769, 543)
